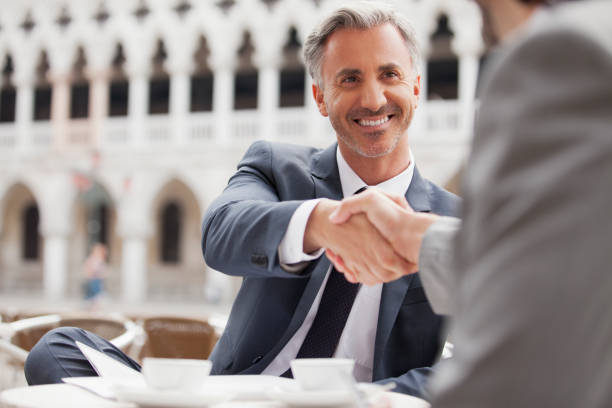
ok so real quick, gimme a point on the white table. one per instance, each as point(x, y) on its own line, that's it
point(70, 396)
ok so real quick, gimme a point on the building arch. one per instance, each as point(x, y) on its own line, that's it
point(292, 71)
point(442, 62)
point(20, 267)
point(463, 17)
point(176, 203)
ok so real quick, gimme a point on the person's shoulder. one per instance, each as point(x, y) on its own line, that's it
point(565, 32)
point(585, 21)
point(443, 201)
point(590, 18)
point(280, 155)
point(283, 149)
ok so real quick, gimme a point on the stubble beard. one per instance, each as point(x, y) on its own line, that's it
point(372, 150)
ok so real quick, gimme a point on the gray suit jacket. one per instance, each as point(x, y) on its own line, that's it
point(532, 323)
point(241, 233)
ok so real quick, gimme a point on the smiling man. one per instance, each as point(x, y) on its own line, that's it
point(271, 224)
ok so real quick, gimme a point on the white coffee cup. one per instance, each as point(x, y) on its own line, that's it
point(175, 373)
point(323, 373)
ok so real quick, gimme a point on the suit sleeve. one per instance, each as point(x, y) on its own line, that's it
point(534, 248)
point(437, 266)
point(243, 227)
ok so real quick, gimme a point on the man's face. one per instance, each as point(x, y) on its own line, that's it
point(369, 89)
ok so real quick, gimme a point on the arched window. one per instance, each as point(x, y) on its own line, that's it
point(171, 220)
point(79, 91)
point(442, 65)
point(202, 80)
point(8, 93)
point(246, 78)
point(292, 75)
point(119, 86)
point(159, 85)
point(30, 219)
point(42, 90)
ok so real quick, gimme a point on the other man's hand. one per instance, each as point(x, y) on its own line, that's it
point(367, 257)
point(393, 219)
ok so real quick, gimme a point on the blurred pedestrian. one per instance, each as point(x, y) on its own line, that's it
point(95, 273)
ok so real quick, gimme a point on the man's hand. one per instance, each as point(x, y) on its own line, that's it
point(394, 221)
point(367, 256)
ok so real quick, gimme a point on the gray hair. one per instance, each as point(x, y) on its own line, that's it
point(360, 16)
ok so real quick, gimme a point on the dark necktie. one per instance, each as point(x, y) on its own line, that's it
point(336, 303)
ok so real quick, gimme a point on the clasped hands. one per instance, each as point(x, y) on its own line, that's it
point(373, 237)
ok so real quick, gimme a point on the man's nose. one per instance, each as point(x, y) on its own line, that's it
point(373, 96)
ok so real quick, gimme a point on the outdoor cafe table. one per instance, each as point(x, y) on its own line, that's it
point(70, 396)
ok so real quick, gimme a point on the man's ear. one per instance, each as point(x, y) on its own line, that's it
point(417, 86)
point(417, 89)
point(319, 98)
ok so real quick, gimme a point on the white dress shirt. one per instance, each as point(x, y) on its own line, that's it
point(359, 334)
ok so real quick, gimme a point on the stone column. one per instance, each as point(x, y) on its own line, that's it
point(223, 102)
point(98, 110)
point(134, 268)
point(179, 105)
point(135, 228)
point(138, 104)
point(55, 226)
point(24, 113)
point(268, 98)
point(60, 101)
point(468, 45)
point(468, 79)
point(55, 265)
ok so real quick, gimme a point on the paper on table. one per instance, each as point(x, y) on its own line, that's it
point(102, 387)
point(110, 372)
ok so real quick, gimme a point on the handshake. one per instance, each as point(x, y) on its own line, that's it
point(373, 237)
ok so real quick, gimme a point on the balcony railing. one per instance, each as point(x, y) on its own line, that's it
point(8, 136)
point(442, 119)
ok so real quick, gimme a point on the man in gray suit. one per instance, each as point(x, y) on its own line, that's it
point(531, 265)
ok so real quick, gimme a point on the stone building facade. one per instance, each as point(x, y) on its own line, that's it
point(120, 120)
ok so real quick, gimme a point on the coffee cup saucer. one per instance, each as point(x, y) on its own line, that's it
point(145, 396)
point(295, 396)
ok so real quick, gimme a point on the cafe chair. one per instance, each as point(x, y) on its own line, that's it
point(17, 338)
point(177, 337)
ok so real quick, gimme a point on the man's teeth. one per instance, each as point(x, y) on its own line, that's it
point(378, 122)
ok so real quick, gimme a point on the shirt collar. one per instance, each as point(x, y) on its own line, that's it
point(351, 182)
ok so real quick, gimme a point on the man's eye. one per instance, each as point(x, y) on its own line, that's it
point(349, 80)
point(391, 74)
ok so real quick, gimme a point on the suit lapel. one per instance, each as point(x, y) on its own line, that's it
point(393, 292)
point(325, 175)
point(326, 179)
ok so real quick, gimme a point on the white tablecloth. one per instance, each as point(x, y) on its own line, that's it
point(70, 396)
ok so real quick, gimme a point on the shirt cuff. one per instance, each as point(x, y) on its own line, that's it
point(290, 251)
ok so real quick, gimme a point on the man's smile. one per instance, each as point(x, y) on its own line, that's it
point(373, 122)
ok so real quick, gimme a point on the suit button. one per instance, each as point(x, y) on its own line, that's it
point(259, 260)
point(256, 359)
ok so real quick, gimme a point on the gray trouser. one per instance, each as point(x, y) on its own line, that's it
point(56, 356)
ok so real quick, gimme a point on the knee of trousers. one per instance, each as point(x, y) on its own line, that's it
point(41, 364)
